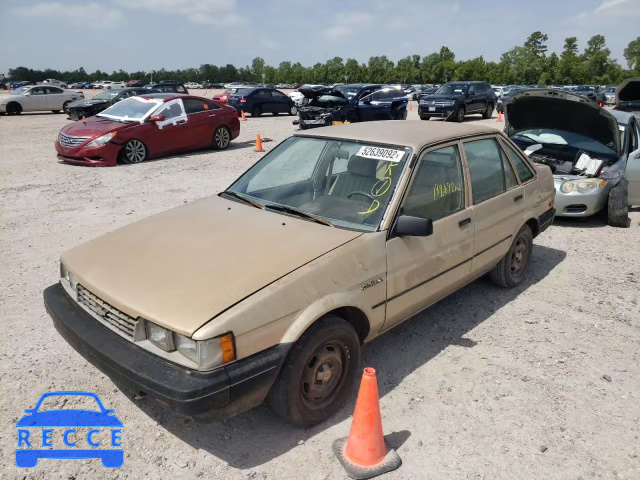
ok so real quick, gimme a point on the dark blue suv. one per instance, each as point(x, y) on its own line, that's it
point(453, 100)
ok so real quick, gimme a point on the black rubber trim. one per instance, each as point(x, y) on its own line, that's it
point(545, 220)
point(441, 273)
point(222, 392)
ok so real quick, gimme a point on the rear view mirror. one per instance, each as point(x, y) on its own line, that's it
point(157, 118)
point(413, 226)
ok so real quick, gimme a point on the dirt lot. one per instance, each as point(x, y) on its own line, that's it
point(536, 382)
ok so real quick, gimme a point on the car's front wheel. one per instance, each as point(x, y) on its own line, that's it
point(510, 271)
point(618, 205)
point(14, 108)
point(319, 373)
point(65, 107)
point(134, 151)
point(459, 115)
point(293, 110)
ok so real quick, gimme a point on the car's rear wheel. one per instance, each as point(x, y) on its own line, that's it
point(221, 138)
point(488, 112)
point(618, 205)
point(510, 271)
point(65, 106)
point(293, 110)
point(14, 108)
point(257, 111)
point(319, 374)
point(134, 151)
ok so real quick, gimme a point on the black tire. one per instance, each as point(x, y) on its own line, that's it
point(293, 110)
point(221, 138)
point(257, 111)
point(14, 108)
point(459, 115)
point(488, 112)
point(618, 205)
point(329, 346)
point(510, 271)
point(65, 106)
point(134, 151)
point(425, 117)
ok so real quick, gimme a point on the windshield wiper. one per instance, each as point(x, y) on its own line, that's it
point(298, 213)
point(231, 194)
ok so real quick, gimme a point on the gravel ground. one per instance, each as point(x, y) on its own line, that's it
point(536, 382)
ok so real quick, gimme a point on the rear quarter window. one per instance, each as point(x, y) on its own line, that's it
point(524, 172)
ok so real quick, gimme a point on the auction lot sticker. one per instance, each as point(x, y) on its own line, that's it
point(56, 428)
point(380, 153)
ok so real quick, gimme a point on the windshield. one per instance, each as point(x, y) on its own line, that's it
point(132, 108)
point(347, 183)
point(19, 91)
point(347, 91)
point(108, 95)
point(451, 89)
point(562, 138)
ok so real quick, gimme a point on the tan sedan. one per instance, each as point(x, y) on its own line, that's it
point(269, 289)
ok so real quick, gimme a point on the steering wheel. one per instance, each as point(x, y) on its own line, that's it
point(364, 194)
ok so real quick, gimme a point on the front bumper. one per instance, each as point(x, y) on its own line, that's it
point(103, 156)
point(438, 110)
point(223, 392)
point(577, 204)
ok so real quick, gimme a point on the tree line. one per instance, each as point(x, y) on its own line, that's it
point(523, 65)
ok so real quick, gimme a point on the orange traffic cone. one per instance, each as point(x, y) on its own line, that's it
point(244, 119)
point(410, 107)
point(365, 454)
point(259, 144)
point(499, 117)
point(83, 117)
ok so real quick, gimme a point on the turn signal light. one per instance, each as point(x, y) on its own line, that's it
point(228, 349)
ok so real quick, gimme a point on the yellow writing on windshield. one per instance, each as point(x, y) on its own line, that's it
point(380, 188)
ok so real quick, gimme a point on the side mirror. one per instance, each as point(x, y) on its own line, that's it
point(413, 226)
point(157, 118)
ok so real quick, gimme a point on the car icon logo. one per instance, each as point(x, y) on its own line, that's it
point(69, 433)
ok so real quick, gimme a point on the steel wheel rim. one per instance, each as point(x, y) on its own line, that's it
point(324, 374)
point(222, 138)
point(519, 256)
point(294, 110)
point(135, 151)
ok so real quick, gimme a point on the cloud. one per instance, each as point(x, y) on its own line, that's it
point(100, 16)
point(203, 12)
point(610, 5)
point(347, 24)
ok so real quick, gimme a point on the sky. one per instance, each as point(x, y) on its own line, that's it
point(152, 34)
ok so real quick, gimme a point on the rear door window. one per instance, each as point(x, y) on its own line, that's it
point(486, 168)
point(524, 172)
point(196, 105)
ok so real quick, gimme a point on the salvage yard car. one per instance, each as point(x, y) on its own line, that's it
point(350, 103)
point(257, 101)
point(269, 289)
point(36, 99)
point(102, 101)
point(454, 100)
point(587, 147)
point(147, 126)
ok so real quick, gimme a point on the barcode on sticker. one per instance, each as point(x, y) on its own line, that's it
point(378, 153)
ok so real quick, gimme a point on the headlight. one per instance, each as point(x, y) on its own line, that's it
point(101, 140)
point(206, 354)
point(449, 102)
point(69, 277)
point(582, 186)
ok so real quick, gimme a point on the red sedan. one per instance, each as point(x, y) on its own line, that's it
point(148, 126)
point(224, 96)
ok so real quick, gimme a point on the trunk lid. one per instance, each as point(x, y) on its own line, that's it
point(628, 95)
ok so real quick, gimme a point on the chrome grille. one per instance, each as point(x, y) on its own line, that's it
point(71, 141)
point(111, 315)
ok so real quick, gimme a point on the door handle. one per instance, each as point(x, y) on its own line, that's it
point(181, 122)
point(517, 198)
point(464, 222)
point(212, 115)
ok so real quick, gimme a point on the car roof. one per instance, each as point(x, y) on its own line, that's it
point(411, 133)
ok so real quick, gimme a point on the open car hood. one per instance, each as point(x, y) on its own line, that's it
point(557, 110)
point(628, 95)
point(315, 91)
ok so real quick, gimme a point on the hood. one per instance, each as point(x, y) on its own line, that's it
point(628, 95)
point(183, 267)
point(94, 127)
point(315, 91)
point(90, 102)
point(557, 110)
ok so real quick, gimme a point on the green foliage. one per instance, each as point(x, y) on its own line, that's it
point(524, 65)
